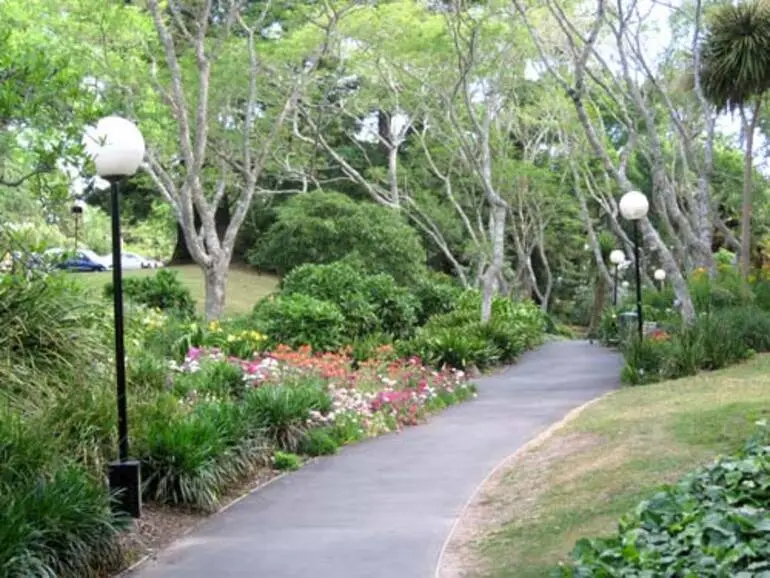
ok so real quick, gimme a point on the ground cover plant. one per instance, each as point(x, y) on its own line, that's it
point(714, 522)
point(613, 457)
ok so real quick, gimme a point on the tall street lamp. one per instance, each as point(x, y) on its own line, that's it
point(634, 207)
point(660, 276)
point(118, 150)
point(77, 214)
point(616, 258)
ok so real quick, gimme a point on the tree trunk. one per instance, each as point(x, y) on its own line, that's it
point(749, 126)
point(181, 255)
point(216, 283)
point(491, 278)
point(600, 298)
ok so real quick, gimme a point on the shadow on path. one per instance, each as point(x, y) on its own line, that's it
point(383, 508)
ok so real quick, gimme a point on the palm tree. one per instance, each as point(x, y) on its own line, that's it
point(735, 75)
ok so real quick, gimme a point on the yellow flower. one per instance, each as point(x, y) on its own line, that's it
point(214, 327)
point(231, 338)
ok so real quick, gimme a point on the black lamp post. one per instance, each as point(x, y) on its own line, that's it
point(616, 258)
point(634, 207)
point(77, 214)
point(118, 150)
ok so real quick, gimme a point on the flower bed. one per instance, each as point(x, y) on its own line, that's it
point(382, 394)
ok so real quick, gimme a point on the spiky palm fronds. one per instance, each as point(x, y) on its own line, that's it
point(735, 64)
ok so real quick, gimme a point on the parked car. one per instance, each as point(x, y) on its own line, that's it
point(82, 260)
point(132, 261)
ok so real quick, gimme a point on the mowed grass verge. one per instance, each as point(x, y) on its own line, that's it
point(613, 455)
point(245, 286)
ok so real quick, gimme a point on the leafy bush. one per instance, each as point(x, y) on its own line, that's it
point(162, 291)
point(323, 227)
point(713, 523)
point(283, 411)
point(462, 347)
point(459, 339)
point(286, 461)
point(56, 518)
point(718, 339)
point(436, 293)
point(299, 319)
point(369, 303)
point(338, 283)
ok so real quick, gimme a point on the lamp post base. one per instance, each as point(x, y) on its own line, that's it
point(126, 484)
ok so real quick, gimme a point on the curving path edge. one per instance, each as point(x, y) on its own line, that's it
point(383, 508)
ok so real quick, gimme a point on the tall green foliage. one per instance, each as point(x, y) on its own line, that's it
point(322, 227)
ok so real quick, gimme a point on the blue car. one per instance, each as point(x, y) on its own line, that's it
point(80, 262)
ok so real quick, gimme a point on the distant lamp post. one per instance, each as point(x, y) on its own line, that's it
point(617, 257)
point(77, 214)
point(117, 148)
point(634, 207)
point(660, 276)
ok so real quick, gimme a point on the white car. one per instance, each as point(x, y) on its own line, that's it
point(132, 261)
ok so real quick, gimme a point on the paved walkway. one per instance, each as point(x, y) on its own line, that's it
point(383, 508)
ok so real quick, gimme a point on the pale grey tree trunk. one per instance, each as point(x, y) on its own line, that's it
point(490, 280)
point(215, 278)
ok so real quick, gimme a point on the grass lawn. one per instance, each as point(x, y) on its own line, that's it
point(580, 481)
point(245, 286)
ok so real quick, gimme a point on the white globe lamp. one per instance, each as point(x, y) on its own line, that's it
point(116, 146)
point(634, 206)
point(117, 149)
point(617, 257)
point(660, 275)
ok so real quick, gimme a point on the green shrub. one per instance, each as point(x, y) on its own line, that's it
point(147, 370)
point(49, 322)
point(645, 361)
point(220, 379)
point(318, 442)
point(83, 420)
point(713, 523)
point(460, 347)
point(286, 461)
point(366, 347)
point(761, 290)
point(56, 518)
point(723, 339)
point(718, 339)
point(323, 227)
point(370, 303)
point(459, 339)
point(339, 283)
point(394, 306)
point(282, 411)
point(299, 319)
point(163, 291)
point(191, 458)
point(436, 293)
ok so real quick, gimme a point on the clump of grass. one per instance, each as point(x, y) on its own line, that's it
point(283, 411)
point(190, 458)
point(56, 517)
